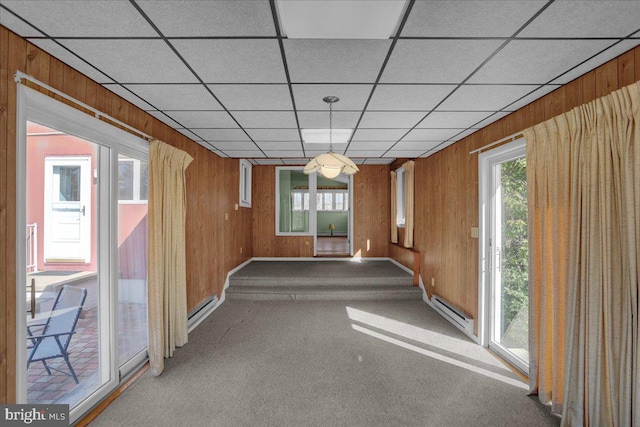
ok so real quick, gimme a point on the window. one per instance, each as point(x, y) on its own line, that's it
point(400, 197)
point(133, 180)
point(245, 183)
point(326, 200)
point(293, 201)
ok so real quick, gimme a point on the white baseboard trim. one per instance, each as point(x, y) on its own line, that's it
point(320, 259)
point(214, 303)
point(426, 299)
point(397, 264)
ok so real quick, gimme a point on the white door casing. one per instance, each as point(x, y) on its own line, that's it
point(67, 209)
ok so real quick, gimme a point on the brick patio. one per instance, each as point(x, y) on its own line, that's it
point(83, 354)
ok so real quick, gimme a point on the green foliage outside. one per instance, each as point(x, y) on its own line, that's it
point(515, 254)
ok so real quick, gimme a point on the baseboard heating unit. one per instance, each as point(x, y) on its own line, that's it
point(455, 316)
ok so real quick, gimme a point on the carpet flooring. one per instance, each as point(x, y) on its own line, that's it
point(328, 363)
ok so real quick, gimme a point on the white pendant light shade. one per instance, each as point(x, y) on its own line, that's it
point(331, 164)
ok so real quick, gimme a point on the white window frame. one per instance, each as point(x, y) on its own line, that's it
point(312, 206)
point(39, 108)
point(486, 180)
point(137, 174)
point(245, 183)
point(400, 202)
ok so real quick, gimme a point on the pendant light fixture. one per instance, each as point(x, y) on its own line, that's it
point(331, 164)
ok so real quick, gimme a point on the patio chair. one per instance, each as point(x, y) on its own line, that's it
point(52, 340)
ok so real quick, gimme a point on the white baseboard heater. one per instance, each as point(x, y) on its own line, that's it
point(455, 316)
point(200, 312)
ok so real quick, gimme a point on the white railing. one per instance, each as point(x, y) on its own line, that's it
point(32, 248)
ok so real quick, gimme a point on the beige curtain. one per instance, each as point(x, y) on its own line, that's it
point(593, 148)
point(409, 174)
point(394, 207)
point(167, 294)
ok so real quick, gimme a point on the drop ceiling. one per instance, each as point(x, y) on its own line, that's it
point(223, 74)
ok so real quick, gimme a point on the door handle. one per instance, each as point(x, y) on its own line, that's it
point(83, 210)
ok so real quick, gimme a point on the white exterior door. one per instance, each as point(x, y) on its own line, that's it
point(67, 203)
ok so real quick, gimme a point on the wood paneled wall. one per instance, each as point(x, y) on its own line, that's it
point(371, 215)
point(215, 243)
point(446, 183)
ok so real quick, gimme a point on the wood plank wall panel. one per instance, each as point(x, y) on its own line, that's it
point(372, 211)
point(447, 183)
point(213, 243)
point(371, 215)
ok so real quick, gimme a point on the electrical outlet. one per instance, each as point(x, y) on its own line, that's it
point(236, 207)
point(240, 249)
point(226, 216)
point(474, 232)
point(433, 282)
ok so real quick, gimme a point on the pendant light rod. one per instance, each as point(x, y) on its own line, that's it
point(331, 100)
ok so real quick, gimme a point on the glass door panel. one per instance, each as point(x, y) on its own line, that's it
point(63, 279)
point(132, 257)
point(509, 266)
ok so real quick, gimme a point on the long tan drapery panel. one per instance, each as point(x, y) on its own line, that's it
point(167, 260)
point(594, 148)
point(409, 179)
point(548, 172)
point(394, 207)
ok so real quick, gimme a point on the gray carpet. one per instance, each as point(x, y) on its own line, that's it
point(321, 280)
point(328, 363)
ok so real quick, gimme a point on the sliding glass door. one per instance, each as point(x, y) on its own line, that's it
point(506, 252)
point(81, 268)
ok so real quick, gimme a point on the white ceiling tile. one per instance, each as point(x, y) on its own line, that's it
point(233, 145)
point(600, 59)
point(320, 119)
point(408, 97)
point(378, 134)
point(243, 154)
point(379, 119)
point(266, 119)
point(164, 119)
point(468, 18)
point(211, 18)
point(586, 19)
point(485, 98)
point(529, 98)
point(352, 97)
point(133, 61)
point(370, 145)
point(222, 134)
point(208, 146)
point(274, 134)
point(335, 61)
point(234, 61)
point(373, 161)
point(409, 154)
point(436, 61)
point(536, 61)
point(493, 118)
point(176, 97)
point(268, 162)
point(71, 60)
point(284, 145)
point(286, 153)
point(452, 119)
point(192, 136)
point(71, 18)
point(132, 98)
point(203, 119)
point(296, 162)
point(421, 146)
point(254, 97)
point(466, 133)
point(431, 134)
point(17, 25)
point(365, 153)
